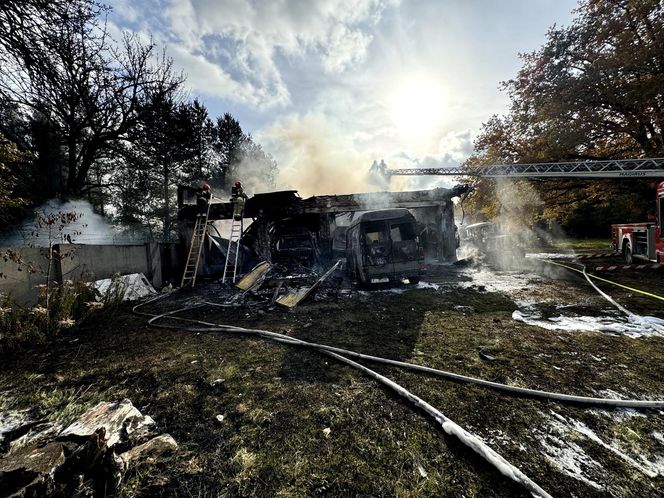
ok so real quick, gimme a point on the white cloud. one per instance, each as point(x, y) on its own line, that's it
point(458, 145)
point(314, 80)
point(245, 40)
point(209, 78)
point(125, 10)
point(454, 149)
point(344, 48)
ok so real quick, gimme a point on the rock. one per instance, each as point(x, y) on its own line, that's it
point(148, 452)
point(12, 425)
point(81, 460)
point(34, 434)
point(117, 418)
point(30, 471)
point(84, 453)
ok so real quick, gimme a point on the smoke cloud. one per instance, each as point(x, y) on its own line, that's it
point(89, 228)
point(315, 158)
point(519, 203)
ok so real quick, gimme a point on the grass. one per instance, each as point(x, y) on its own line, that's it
point(584, 245)
point(296, 423)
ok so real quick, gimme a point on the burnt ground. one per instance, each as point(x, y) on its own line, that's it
point(296, 423)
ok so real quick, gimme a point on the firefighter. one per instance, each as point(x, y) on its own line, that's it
point(237, 198)
point(203, 195)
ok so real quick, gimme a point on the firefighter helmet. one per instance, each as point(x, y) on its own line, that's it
point(238, 184)
point(205, 186)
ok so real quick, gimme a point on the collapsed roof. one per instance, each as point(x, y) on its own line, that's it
point(285, 203)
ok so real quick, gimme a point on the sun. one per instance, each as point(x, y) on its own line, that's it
point(417, 108)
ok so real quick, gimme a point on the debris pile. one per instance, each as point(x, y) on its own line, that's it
point(131, 287)
point(269, 284)
point(88, 458)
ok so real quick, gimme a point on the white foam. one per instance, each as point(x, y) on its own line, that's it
point(427, 285)
point(651, 469)
point(658, 437)
point(563, 426)
point(633, 326)
point(501, 281)
point(570, 459)
point(566, 455)
point(550, 255)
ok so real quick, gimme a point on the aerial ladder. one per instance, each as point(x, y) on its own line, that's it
point(233, 252)
point(618, 168)
point(195, 249)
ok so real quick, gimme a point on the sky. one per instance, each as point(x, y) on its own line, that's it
point(327, 86)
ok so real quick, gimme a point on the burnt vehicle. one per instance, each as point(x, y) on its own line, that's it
point(296, 245)
point(477, 234)
point(493, 244)
point(382, 246)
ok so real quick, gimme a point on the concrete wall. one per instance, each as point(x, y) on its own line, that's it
point(78, 262)
point(94, 262)
point(18, 281)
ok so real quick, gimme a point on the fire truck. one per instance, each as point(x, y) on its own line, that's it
point(642, 240)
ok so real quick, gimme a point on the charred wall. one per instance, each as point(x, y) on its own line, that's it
point(286, 227)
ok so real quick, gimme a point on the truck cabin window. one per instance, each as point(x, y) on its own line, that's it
point(375, 233)
point(402, 232)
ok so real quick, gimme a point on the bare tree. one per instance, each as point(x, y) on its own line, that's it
point(58, 59)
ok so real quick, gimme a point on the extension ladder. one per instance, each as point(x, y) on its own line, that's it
point(230, 268)
point(195, 249)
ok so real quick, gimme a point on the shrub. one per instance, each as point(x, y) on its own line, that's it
point(59, 307)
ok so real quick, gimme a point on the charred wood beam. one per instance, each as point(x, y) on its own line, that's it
point(377, 200)
point(280, 205)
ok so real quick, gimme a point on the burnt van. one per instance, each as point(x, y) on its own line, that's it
point(382, 246)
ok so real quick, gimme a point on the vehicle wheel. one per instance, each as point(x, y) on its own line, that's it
point(627, 253)
point(414, 280)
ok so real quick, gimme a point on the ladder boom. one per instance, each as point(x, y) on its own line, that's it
point(618, 168)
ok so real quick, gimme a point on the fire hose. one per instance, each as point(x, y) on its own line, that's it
point(595, 277)
point(449, 426)
point(633, 317)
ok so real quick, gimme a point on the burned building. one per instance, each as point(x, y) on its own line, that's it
point(288, 229)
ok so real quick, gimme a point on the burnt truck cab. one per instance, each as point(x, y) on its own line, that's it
point(478, 233)
point(643, 241)
point(382, 246)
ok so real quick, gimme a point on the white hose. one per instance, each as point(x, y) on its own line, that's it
point(448, 425)
point(634, 318)
point(453, 429)
point(567, 398)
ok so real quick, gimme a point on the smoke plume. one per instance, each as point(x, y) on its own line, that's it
point(315, 158)
point(88, 228)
